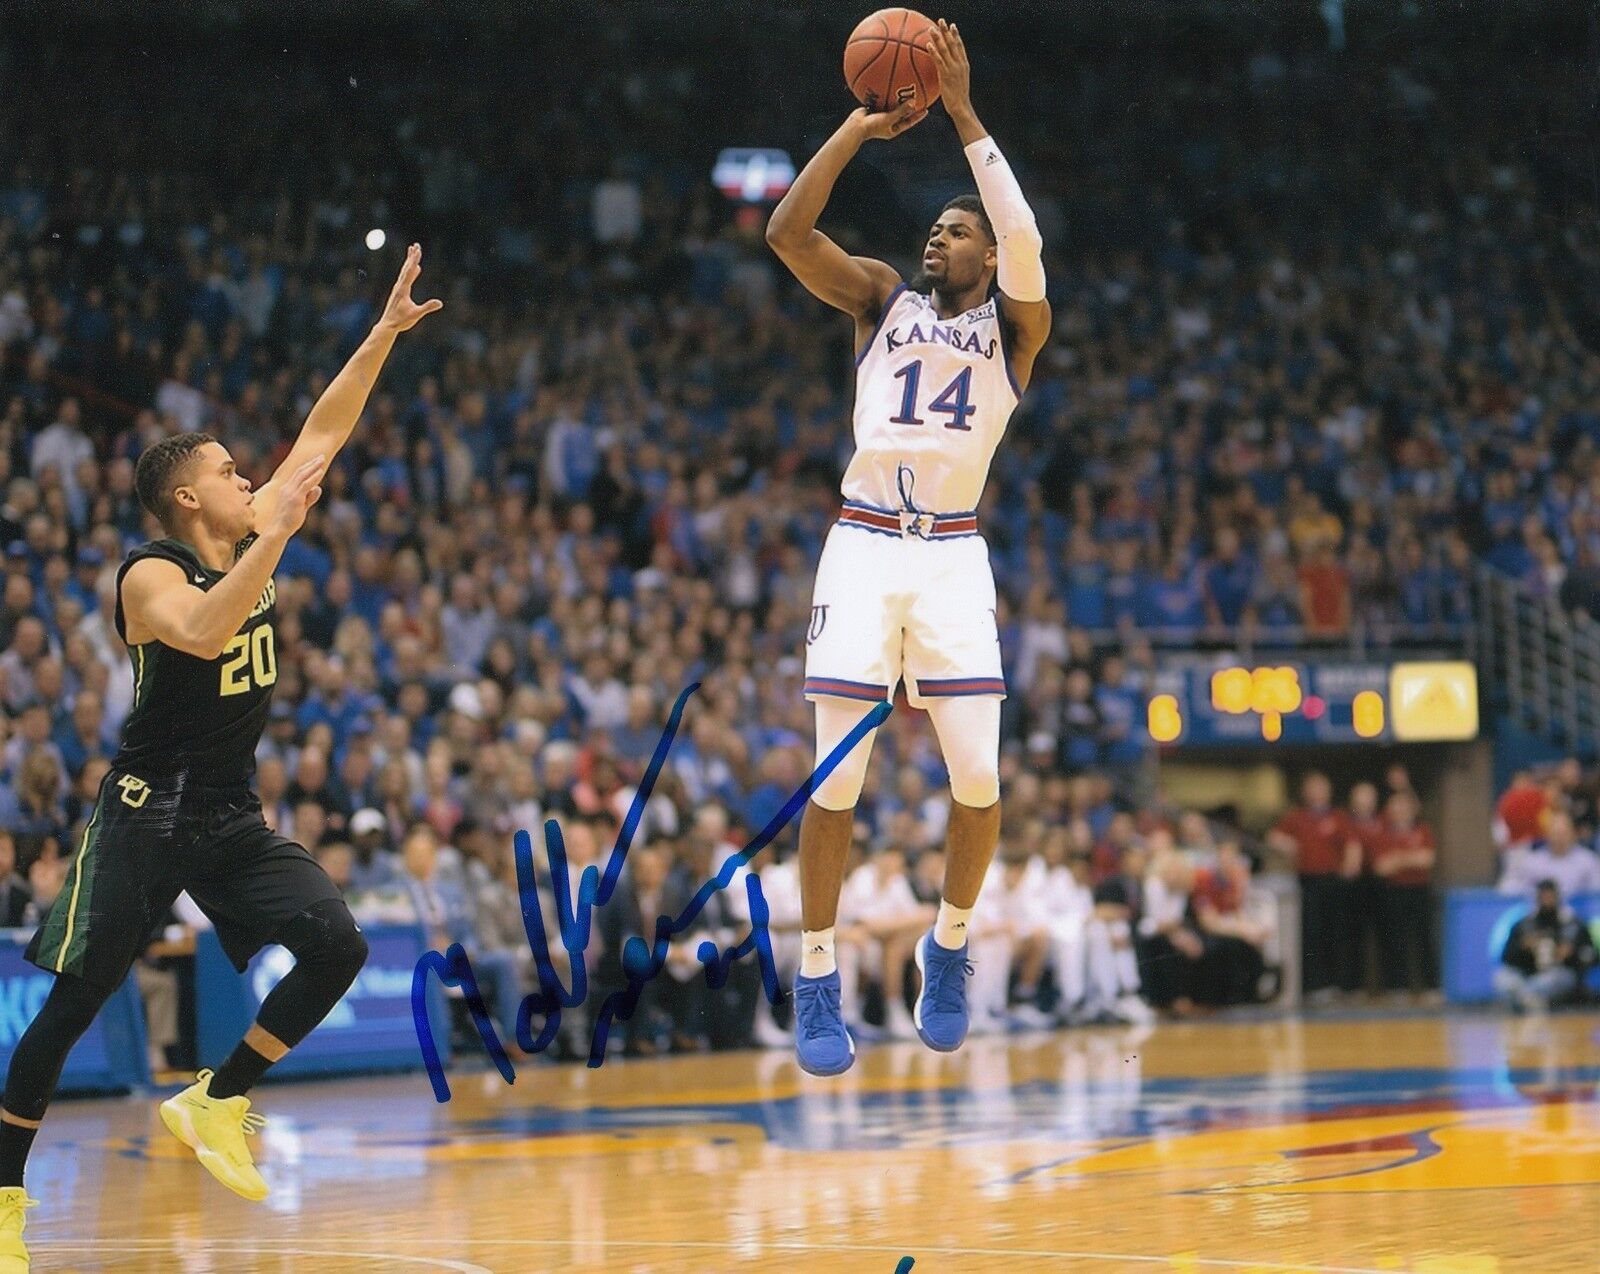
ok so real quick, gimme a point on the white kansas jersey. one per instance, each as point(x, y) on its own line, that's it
point(933, 397)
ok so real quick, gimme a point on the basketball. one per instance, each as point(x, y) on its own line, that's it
point(887, 61)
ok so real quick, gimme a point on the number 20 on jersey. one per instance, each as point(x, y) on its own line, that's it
point(249, 659)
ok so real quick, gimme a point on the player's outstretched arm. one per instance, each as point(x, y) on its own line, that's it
point(157, 594)
point(333, 417)
point(857, 285)
point(1019, 247)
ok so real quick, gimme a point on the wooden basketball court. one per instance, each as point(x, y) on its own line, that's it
point(1458, 1145)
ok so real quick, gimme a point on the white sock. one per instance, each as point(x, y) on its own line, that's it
point(950, 929)
point(816, 953)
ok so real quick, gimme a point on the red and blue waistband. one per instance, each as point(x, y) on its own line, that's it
point(928, 688)
point(927, 526)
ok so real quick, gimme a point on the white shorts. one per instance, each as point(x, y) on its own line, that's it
point(887, 605)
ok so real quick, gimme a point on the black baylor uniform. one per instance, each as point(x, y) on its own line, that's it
point(175, 812)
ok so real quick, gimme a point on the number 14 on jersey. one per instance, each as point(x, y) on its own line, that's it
point(952, 400)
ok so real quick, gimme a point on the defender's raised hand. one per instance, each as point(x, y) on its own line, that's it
point(402, 313)
point(879, 125)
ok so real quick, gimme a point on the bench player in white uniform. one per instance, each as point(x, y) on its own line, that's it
point(904, 587)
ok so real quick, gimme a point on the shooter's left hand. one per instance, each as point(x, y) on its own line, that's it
point(955, 72)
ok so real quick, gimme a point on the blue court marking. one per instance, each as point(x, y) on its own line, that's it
point(829, 1120)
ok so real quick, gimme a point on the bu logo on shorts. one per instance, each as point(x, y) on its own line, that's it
point(819, 621)
point(135, 791)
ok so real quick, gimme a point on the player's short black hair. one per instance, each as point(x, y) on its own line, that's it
point(161, 470)
point(974, 205)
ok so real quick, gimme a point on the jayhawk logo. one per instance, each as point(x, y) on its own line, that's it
point(819, 620)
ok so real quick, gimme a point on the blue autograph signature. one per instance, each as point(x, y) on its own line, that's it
point(640, 962)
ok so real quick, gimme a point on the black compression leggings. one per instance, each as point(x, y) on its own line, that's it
point(328, 952)
point(42, 1051)
point(328, 949)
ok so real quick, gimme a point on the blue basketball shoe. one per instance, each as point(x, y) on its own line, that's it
point(941, 1014)
point(822, 1040)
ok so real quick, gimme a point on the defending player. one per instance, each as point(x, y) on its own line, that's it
point(904, 585)
point(175, 812)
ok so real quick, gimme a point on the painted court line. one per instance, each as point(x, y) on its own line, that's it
point(187, 1247)
point(1183, 1261)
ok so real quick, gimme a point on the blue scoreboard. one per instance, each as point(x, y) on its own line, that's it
point(1229, 703)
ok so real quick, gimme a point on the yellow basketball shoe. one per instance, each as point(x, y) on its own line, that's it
point(14, 1202)
point(214, 1128)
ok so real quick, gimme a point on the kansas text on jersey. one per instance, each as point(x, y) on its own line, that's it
point(933, 396)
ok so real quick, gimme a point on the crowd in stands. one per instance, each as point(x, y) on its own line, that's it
point(1316, 360)
point(1546, 831)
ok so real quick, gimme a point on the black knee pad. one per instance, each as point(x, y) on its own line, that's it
point(326, 934)
point(328, 953)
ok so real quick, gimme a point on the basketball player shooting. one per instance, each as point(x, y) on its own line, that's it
point(175, 812)
point(904, 585)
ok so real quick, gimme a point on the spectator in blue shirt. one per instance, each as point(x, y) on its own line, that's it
point(1277, 596)
point(1124, 584)
point(83, 738)
point(1088, 603)
point(445, 909)
point(1230, 577)
point(1172, 601)
point(302, 557)
point(468, 623)
point(1121, 708)
point(84, 581)
point(634, 741)
point(375, 866)
point(1081, 725)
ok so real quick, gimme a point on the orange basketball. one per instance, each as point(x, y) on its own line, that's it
point(887, 61)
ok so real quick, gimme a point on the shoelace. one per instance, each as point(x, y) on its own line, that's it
point(250, 1122)
point(949, 995)
point(19, 1215)
point(820, 1024)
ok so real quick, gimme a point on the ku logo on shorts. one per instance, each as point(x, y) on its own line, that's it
point(819, 621)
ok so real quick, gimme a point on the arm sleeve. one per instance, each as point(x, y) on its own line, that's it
point(1019, 247)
